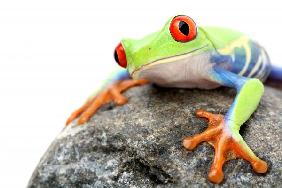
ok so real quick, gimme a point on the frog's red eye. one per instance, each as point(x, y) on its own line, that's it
point(120, 56)
point(183, 28)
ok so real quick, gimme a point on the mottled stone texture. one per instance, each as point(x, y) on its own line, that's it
point(140, 144)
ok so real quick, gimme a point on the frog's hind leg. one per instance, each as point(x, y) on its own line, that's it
point(113, 92)
point(223, 131)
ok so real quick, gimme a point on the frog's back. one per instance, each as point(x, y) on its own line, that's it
point(238, 53)
point(221, 37)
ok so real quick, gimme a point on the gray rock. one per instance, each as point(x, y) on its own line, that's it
point(140, 144)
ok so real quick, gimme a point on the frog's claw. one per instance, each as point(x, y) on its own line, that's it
point(112, 93)
point(227, 146)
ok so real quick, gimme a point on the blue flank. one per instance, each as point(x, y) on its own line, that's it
point(257, 72)
point(236, 61)
point(239, 60)
point(255, 50)
point(221, 60)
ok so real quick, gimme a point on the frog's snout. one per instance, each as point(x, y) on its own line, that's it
point(120, 56)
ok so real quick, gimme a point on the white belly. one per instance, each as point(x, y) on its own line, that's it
point(183, 72)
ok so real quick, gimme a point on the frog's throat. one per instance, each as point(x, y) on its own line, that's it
point(135, 74)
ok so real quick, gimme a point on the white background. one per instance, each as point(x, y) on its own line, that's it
point(54, 53)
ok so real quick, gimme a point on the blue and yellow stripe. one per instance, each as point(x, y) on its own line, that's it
point(245, 58)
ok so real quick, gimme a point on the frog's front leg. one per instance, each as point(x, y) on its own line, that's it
point(223, 131)
point(113, 92)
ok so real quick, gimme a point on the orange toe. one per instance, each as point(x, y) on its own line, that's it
point(216, 176)
point(260, 166)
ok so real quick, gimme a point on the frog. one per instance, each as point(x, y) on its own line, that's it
point(184, 55)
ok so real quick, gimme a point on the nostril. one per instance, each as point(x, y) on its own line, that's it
point(120, 56)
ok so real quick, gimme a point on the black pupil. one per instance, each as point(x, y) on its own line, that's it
point(116, 56)
point(184, 28)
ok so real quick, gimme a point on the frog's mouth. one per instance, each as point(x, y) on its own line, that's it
point(136, 73)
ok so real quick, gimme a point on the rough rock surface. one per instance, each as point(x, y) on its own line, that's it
point(140, 144)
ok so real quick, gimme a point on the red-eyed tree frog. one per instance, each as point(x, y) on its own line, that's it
point(183, 55)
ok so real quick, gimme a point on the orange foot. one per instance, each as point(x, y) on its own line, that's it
point(227, 145)
point(112, 93)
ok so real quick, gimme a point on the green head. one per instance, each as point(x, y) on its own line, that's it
point(179, 36)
